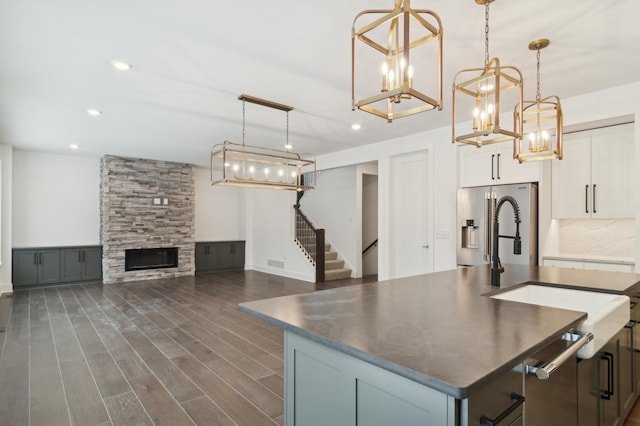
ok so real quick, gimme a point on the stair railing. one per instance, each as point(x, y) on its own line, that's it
point(370, 246)
point(311, 241)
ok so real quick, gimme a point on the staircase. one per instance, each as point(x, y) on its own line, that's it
point(333, 268)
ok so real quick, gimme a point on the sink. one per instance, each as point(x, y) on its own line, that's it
point(607, 313)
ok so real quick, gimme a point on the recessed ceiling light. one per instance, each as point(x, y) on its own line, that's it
point(288, 146)
point(94, 112)
point(74, 146)
point(121, 65)
point(356, 126)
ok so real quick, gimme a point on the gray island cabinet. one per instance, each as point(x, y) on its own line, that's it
point(431, 349)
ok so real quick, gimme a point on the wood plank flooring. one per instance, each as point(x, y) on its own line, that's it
point(159, 352)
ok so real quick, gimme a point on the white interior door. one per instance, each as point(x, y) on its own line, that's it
point(411, 230)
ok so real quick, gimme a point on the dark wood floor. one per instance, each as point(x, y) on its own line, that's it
point(164, 352)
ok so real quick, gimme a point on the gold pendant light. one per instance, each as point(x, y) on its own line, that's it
point(477, 95)
point(542, 120)
point(397, 41)
point(250, 166)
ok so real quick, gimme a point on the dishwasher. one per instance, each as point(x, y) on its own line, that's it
point(552, 387)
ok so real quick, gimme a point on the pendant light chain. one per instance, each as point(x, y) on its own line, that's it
point(287, 145)
point(486, 33)
point(538, 77)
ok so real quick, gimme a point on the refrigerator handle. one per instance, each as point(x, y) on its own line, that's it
point(488, 220)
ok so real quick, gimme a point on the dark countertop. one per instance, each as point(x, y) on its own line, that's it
point(439, 329)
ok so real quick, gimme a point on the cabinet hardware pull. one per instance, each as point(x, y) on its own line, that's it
point(498, 166)
point(79, 256)
point(40, 258)
point(586, 198)
point(492, 175)
point(608, 393)
point(518, 400)
point(35, 258)
point(594, 198)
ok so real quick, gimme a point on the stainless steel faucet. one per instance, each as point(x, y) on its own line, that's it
point(496, 265)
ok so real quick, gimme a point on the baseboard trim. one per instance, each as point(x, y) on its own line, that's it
point(283, 273)
point(6, 289)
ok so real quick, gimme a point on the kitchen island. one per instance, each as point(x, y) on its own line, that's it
point(439, 331)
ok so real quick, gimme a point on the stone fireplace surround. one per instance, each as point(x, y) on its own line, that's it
point(132, 218)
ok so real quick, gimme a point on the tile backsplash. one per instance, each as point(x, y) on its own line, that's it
point(598, 237)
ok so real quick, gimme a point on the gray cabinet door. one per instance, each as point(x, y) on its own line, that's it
point(92, 263)
point(588, 391)
point(25, 267)
point(71, 265)
point(609, 382)
point(227, 253)
point(238, 258)
point(627, 380)
point(202, 257)
point(80, 264)
point(49, 266)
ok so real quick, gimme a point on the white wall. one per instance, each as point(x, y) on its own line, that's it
point(443, 177)
point(6, 164)
point(269, 233)
point(217, 217)
point(55, 199)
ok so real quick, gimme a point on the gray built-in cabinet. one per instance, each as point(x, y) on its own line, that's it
point(54, 265)
point(219, 255)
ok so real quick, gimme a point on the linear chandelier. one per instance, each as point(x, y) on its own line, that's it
point(537, 142)
point(397, 38)
point(234, 164)
point(478, 92)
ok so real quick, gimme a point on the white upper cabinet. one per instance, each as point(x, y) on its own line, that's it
point(595, 177)
point(493, 165)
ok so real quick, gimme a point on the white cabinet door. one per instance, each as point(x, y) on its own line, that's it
point(570, 198)
point(609, 267)
point(574, 264)
point(512, 171)
point(612, 165)
point(494, 165)
point(595, 177)
point(476, 166)
point(597, 266)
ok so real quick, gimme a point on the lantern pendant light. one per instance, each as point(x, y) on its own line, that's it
point(477, 95)
point(398, 41)
point(540, 121)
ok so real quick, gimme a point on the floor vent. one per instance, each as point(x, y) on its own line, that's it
point(275, 263)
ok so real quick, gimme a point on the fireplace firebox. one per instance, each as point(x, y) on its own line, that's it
point(150, 258)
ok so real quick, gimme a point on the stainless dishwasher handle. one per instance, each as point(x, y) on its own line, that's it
point(546, 370)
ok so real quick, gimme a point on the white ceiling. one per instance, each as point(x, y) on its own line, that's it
point(191, 59)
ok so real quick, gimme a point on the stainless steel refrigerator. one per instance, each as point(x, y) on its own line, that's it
point(476, 207)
